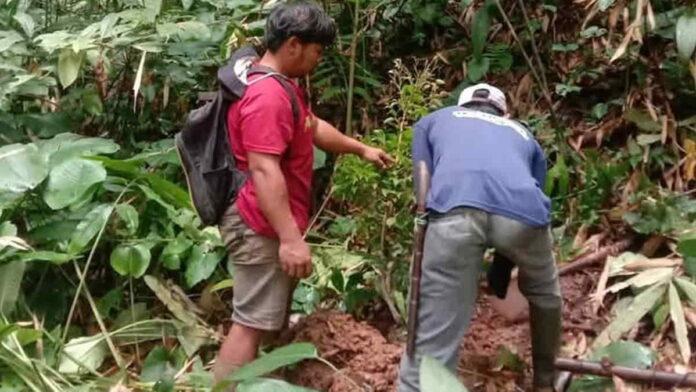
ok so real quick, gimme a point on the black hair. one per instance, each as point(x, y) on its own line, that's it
point(304, 20)
point(483, 106)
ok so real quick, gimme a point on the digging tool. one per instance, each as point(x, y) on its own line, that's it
point(419, 227)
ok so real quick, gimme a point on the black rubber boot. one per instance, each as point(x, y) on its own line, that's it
point(545, 324)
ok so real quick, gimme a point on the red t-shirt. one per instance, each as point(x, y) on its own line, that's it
point(262, 121)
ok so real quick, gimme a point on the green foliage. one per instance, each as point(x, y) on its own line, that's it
point(130, 260)
point(621, 353)
point(381, 227)
point(686, 34)
point(276, 359)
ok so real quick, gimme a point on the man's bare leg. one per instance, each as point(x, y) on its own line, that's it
point(240, 347)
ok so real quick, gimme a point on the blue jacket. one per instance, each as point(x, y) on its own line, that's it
point(482, 161)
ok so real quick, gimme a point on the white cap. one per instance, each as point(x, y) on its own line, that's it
point(494, 97)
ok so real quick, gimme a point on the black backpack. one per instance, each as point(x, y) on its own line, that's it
point(212, 176)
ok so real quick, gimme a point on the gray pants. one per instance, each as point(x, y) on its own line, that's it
point(454, 246)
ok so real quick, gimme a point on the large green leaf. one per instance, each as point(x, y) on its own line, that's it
point(69, 64)
point(686, 34)
point(626, 353)
point(642, 120)
point(645, 278)
point(129, 216)
point(45, 255)
point(26, 21)
point(154, 6)
point(173, 253)
point(688, 288)
point(284, 356)
point(22, 167)
point(480, 25)
point(165, 189)
point(46, 125)
point(10, 282)
point(8, 38)
point(201, 265)
point(478, 68)
point(81, 354)
point(676, 312)
point(88, 228)
point(130, 260)
point(270, 384)
point(66, 146)
point(627, 318)
point(158, 365)
point(434, 377)
point(69, 181)
point(690, 265)
point(687, 245)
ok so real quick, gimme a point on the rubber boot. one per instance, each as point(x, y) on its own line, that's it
point(545, 324)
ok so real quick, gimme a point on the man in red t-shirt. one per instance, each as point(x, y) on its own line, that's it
point(263, 229)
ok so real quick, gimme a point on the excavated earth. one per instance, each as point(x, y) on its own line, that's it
point(495, 354)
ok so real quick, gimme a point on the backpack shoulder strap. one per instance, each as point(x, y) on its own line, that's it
point(283, 80)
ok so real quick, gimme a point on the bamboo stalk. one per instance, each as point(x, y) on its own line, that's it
point(595, 257)
point(351, 69)
point(664, 379)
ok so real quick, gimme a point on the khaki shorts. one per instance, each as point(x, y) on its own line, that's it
point(262, 291)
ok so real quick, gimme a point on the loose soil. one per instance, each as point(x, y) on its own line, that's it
point(367, 360)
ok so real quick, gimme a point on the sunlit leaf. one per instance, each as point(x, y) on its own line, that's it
point(26, 21)
point(434, 377)
point(626, 353)
point(627, 319)
point(69, 181)
point(686, 34)
point(82, 354)
point(270, 384)
point(676, 312)
point(22, 167)
point(688, 288)
point(69, 63)
point(200, 265)
point(89, 227)
point(283, 356)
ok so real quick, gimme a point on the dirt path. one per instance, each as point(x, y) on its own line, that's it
point(366, 358)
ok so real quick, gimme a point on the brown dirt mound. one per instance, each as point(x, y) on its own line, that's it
point(479, 366)
point(364, 356)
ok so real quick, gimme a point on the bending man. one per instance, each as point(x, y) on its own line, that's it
point(488, 174)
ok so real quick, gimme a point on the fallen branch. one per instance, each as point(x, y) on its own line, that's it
point(596, 256)
point(653, 377)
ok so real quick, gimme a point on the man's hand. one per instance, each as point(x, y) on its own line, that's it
point(295, 258)
point(376, 156)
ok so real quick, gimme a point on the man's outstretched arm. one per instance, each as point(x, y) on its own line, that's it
point(328, 138)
